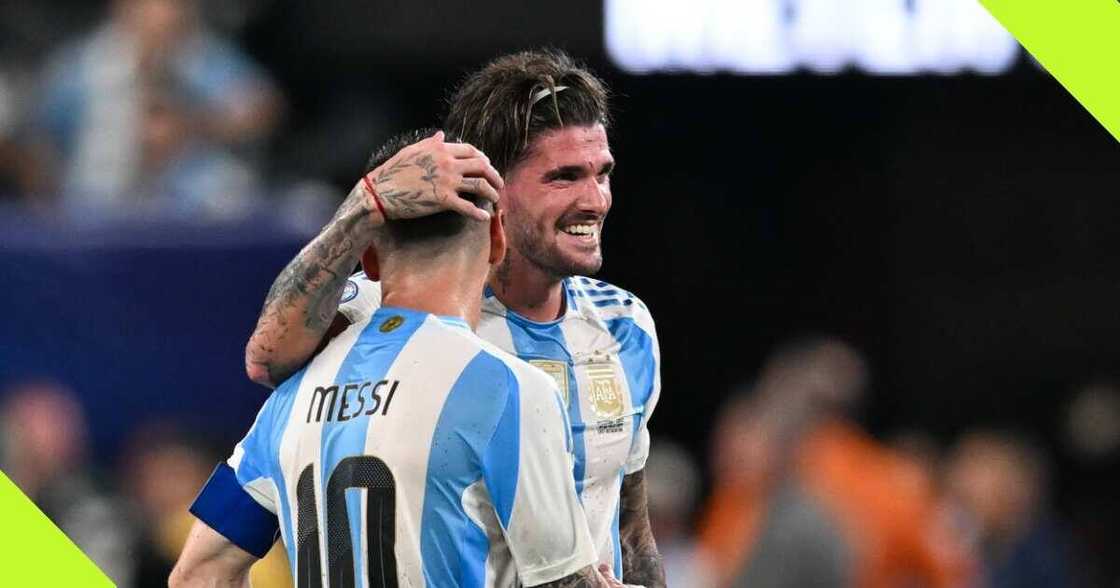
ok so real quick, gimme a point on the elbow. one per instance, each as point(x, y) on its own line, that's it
point(256, 367)
point(179, 578)
point(258, 372)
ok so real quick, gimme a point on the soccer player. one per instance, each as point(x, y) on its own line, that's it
point(542, 122)
point(409, 452)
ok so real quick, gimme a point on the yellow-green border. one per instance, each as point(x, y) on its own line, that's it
point(1078, 42)
point(34, 552)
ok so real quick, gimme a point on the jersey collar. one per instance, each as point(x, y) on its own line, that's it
point(492, 305)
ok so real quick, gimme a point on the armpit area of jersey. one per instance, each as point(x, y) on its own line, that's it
point(228, 509)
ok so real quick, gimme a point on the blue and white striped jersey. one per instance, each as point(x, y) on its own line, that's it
point(604, 356)
point(409, 451)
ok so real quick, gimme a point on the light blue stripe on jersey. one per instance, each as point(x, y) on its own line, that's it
point(259, 459)
point(369, 359)
point(546, 341)
point(285, 397)
point(635, 353)
point(476, 437)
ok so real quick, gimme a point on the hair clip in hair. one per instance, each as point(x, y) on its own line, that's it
point(540, 94)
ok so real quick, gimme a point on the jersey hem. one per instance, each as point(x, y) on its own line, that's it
point(556, 571)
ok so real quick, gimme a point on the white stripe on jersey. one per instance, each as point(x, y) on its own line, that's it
point(602, 484)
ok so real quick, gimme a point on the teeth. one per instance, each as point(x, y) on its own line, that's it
point(580, 229)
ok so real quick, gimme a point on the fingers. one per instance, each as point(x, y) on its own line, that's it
point(481, 168)
point(467, 208)
point(478, 187)
point(463, 150)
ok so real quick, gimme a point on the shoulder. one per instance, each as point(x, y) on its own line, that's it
point(526, 378)
point(605, 301)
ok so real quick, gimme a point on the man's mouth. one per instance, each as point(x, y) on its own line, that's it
point(581, 230)
point(584, 234)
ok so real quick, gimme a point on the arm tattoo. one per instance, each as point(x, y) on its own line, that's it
point(304, 299)
point(641, 562)
point(585, 578)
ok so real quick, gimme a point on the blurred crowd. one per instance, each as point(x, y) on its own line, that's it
point(150, 112)
point(801, 495)
point(132, 520)
point(798, 493)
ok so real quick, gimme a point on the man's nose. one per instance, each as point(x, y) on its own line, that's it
point(594, 197)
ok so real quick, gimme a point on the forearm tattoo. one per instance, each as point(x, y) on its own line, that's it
point(305, 296)
point(641, 562)
point(585, 578)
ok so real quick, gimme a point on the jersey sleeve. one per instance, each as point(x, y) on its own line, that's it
point(639, 450)
point(535, 494)
point(239, 499)
point(361, 297)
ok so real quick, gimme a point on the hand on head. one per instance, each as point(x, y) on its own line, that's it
point(430, 176)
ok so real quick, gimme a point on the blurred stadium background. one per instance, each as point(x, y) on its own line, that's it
point(879, 242)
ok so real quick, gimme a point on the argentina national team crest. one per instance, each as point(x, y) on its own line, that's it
point(604, 393)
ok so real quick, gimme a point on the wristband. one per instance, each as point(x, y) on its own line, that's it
point(376, 200)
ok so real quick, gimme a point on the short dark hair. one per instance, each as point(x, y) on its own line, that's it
point(432, 228)
point(501, 108)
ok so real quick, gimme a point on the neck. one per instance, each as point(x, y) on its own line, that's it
point(442, 290)
point(535, 294)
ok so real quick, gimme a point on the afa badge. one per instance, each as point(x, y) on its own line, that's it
point(559, 372)
point(605, 393)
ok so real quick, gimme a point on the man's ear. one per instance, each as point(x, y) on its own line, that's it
point(497, 237)
point(370, 265)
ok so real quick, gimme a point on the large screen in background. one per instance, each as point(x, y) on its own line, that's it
point(766, 37)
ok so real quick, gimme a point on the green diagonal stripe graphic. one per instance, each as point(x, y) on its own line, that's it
point(1078, 42)
point(34, 552)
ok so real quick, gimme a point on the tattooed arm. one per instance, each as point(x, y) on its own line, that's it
point(421, 179)
point(641, 562)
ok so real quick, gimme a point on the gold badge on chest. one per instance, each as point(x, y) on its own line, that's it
point(559, 372)
point(605, 394)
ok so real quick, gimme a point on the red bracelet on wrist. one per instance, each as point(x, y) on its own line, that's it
point(376, 200)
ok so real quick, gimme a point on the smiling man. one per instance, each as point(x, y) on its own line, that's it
point(542, 122)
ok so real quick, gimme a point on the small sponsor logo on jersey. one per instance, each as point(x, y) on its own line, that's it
point(559, 372)
point(605, 393)
point(391, 323)
point(349, 292)
point(611, 426)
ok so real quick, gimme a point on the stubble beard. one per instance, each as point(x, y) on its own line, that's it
point(530, 244)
